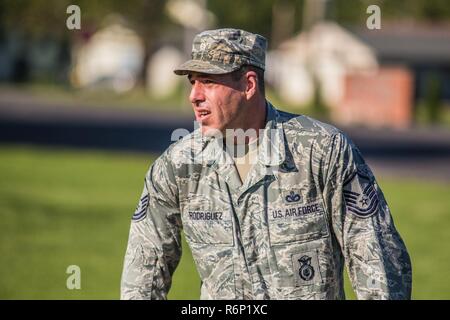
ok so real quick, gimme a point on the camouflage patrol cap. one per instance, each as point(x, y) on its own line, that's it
point(224, 50)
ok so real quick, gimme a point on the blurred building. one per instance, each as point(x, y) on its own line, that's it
point(368, 77)
point(113, 57)
point(322, 56)
point(161, 80)
point(422, 48)
point(380, 99)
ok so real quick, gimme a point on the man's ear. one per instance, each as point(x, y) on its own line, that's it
point(251, 84)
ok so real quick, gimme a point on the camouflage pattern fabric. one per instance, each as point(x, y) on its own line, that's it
point(308, 208)
point(224, 50)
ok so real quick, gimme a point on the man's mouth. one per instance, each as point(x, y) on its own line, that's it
point(202, 115)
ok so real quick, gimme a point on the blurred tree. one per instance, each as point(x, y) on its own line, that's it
point(351, 12)
point(314, 11)
point(274, 19)
point(252, 16)
point(433, 101)
point(284, 14)
point(39, 19)
point(48, 17)
point(317, 106)
point(35, 18)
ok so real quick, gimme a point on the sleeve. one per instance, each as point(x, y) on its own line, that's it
point(377, 260)
point(154, 244)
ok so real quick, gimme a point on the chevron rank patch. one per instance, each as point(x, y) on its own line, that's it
point(141, 209)
point(360, 194)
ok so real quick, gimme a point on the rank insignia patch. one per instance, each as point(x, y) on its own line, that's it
point(360, 196)
point(141, 209)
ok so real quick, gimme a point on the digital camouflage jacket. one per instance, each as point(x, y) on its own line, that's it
point(309, 206)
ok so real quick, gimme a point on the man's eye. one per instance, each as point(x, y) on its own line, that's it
point(203, 81)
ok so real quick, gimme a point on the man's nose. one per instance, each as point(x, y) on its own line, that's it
point(196, 94)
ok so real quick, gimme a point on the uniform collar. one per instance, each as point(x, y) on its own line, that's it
point(272, 152)
point(273, 155)
point(272, 146)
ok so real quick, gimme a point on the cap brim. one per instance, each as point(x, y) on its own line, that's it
point(201, 67)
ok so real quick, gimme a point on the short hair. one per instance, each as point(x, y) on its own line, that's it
point(237, 75)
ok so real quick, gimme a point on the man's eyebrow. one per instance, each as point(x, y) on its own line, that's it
point(199, 76)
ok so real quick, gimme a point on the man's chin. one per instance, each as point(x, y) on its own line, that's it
point(210, 131)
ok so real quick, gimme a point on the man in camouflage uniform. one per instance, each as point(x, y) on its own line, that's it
point(283, 229)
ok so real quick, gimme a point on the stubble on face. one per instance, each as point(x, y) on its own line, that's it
point(217, 101)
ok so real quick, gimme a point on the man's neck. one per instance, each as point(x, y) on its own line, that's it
point(253, 121)
point(257, 115)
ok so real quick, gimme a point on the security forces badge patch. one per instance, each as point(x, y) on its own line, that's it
point(306, 271)
point(306, 268)
point(141, 209)
point(360, 194)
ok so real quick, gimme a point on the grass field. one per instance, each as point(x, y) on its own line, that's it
point(67, 207)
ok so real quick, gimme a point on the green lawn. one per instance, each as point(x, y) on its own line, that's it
point(65, 207)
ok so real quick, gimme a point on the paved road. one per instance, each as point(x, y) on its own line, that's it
point(419, 153)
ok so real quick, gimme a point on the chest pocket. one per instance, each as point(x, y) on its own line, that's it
point(206, 222)
point(298, 221)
